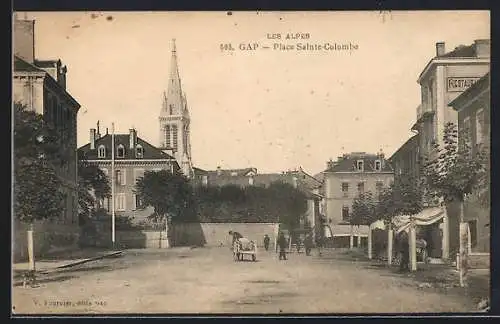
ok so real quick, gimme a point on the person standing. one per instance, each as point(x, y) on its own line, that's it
point(266, 242)
point(308, 244)
point(282, 243)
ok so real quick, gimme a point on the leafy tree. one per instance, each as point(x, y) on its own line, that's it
point(169, 194)
point(364, 209)
point(93, 186)
point(37, 186)
point(456, 171)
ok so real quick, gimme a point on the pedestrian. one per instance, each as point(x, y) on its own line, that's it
point(266, 242)
point(308, 244)
point(404, 248)
point(236, 236)
point(282, 243)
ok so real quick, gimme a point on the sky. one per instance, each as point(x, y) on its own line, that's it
point(270, 109)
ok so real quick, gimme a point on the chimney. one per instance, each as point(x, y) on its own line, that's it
point(440, 49)
point(132, 138)
point(107, 131)
point(92, 138)
point(219, 171)
point(483, 47)
point(24, 39)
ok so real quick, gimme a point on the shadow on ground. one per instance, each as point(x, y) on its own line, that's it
point(47, 280)
point(69, 256)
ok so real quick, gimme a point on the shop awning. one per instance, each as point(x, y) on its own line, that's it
point(426, 217)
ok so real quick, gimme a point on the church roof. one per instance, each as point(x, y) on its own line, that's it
point(174, 100)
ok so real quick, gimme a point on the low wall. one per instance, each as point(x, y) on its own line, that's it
point(47, 238)
point(217, 234)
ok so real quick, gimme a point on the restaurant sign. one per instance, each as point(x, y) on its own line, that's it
point(460, 84)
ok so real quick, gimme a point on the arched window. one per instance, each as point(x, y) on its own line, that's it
point(120, 151)
point(139, 152)
point(101, 152)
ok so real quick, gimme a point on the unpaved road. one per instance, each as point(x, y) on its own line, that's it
point(208, 280)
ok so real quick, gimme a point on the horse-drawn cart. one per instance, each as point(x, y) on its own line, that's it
point(242, 247)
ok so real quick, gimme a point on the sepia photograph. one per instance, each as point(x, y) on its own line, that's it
point(250, 162)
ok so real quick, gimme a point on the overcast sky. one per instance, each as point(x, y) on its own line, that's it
point(270, 109)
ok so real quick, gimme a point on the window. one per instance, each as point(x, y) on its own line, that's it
point(204, 180)
point(250, 181)
point(101, 152)
point(120, 202)
point(167, 137)
point(234, 174)
point(361, 187)
point(378, 165)
point(467, 132)
point(378, 186)
point(360, 165)
point(174, 137)
point(479, 126)
point(138, 173)
point(171, 108)
point(120, 177)
point(106, 204)
point(120, 151)
point(137, 202)
point(139, 152)
point(345, 189)
point(345, 213)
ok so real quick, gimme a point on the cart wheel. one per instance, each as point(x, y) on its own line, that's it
point(254, 257)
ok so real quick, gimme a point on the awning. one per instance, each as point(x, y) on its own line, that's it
point(426, 217)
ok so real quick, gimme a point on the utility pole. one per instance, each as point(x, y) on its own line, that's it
point(113, 184)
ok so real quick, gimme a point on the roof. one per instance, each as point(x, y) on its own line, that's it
point(412, 141)
point(320, 177)
point(461, 51)
point(21, 65)
point(348, 163)
point(46, 63)
point(150, 152)
point(471, 92)
point(231, 172)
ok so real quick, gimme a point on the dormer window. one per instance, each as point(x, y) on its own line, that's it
point(139, 152)
point(360, 166)
point(101, 152)
point(234, 174)
point(120, 151)
point(378, 165)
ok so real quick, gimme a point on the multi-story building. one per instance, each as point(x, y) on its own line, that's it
point(473, 107)
point(346, 178)
point(445, 77)
point(174, 120)
point(40, 85)
point(132, 157)
point(405, 161)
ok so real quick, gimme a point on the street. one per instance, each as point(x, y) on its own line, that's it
point(208, 280)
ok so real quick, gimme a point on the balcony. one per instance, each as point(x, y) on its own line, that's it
point(424, 111)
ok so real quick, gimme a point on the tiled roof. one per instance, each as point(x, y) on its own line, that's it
point(462, 51)
point(46, 63)
point(348, 163)
point(230, 172)
point(23, 66)
point(150, 152)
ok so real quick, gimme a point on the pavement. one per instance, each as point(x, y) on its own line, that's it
point(208, 280)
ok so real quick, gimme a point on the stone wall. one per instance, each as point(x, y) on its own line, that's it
point(217, 234)
point(47, 238)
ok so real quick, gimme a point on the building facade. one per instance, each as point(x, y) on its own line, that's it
point(405, 161)
point(346, 178)
point(132, 157)
point(175, 120)
point(473, 107)
point(40, 85)
point(444, 78)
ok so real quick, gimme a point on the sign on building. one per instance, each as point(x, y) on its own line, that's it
point(460, 84)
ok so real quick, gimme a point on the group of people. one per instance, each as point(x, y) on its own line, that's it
point(282, 244)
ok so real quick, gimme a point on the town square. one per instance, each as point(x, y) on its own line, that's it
point(274, 163)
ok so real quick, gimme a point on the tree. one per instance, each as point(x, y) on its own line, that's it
point(93, 187)
point(290, 204)
point(455, 173)
point(169, 194)
point(37, 186)
point(363, 209)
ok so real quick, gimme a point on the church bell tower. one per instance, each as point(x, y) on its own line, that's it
point(175, 121)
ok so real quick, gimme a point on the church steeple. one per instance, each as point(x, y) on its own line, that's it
point(173, 100)
point(174, 118)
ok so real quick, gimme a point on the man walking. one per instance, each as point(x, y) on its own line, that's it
point(282, 246)
point(266, 242)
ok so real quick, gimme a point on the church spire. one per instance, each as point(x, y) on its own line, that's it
point(173, 103)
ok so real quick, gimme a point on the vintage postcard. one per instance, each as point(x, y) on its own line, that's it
point(251, 162)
